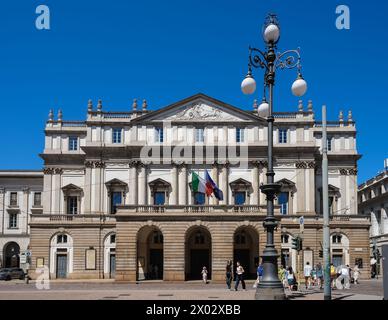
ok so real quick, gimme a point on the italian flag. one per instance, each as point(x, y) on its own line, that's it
point(198, 184)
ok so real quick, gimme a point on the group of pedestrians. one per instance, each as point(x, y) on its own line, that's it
point(239, 275)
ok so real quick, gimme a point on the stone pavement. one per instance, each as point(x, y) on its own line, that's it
point(157, 290)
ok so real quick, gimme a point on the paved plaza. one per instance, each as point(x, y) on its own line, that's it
point(108, 290)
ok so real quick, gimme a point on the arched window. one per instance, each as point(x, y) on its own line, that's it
point(337, 238)
point(285, 238)
point(199, 238)
point(61, 238)
point(157, 237)
point(240, 238)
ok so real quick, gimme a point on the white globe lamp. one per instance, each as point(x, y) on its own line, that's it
point(263, 109)
point(248, 86)
point(271, 33)
point(299, 87)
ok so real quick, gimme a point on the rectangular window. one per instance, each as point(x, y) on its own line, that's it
point(72, 205)
point(240, 135)
point(283, 135)
point(116, 135)
point(37, 199)
point(159, 137)
point(13, 200)
point(329, 143)
point(239, 198)
point(13, 221)
point(73, 143)
point(159, 198)
point(116, 200)
point(283, 202)
point(199, 198)
point(199, 135)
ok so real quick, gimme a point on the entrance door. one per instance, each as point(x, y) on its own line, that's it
point(61, 266)
point(337, 259)
point(243, 256)
point(156, 261)
point(112, 266)
point(199, 258)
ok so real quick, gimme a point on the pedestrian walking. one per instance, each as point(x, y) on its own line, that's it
point(259, 273)
point(291, 280)
point(343, 280)
point(320, 275)
point(239, 276)
point(282, 275)
point(314, 280)
point(228, 274)
point(307, 275)
point(333, 275)
point(204, 275)
point(356, 273)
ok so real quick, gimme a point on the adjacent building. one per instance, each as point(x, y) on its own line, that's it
point(119, 200)
point(20, 197)
point(373, 202)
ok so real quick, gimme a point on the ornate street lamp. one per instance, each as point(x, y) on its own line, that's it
point(271, 288)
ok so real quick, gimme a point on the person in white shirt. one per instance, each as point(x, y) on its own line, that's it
point(344, 275)
point(307, 275)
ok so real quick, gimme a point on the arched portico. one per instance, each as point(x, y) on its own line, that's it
point(150, 258)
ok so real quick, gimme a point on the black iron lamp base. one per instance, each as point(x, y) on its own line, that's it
point(270, 294)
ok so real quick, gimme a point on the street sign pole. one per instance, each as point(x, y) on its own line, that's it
point(326, 218)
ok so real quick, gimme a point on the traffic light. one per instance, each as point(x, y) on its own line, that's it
point(300, 244)
point(321, 253)
point(295, 243)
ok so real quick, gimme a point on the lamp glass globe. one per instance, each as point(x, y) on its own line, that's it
point(263, 109)
point(299, 87)
point(271, 33)
point(248, 86)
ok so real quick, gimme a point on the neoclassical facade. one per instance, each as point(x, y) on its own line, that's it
point(118, 200)
point(20, 197)
point(373, 202)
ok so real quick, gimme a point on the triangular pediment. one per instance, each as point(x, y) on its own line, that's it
point(200, 109)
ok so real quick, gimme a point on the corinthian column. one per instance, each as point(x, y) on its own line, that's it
point(255, 199)
point(182, 194)
point(143, 194)
point(175, 187)
point(224, 180)
point(133, 183)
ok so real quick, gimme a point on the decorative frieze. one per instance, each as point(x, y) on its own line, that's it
point(301, 165)
point(48, 170)
point(58, 171)
point(343, 172)
point(99, 164)
point(89, 164)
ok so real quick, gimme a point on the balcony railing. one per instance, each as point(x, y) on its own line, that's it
point(193, 209)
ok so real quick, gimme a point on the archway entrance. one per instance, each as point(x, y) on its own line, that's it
point(198, 249)
point(149, 254)
point(246, 250)
point(11, 255)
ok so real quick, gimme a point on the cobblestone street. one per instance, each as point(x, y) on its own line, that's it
point(103, 290)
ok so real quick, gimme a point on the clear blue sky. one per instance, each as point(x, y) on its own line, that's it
point(167, 50)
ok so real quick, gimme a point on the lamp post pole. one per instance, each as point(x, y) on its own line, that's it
point(270, 287)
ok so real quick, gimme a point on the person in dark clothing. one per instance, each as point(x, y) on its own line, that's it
point(228, 273)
